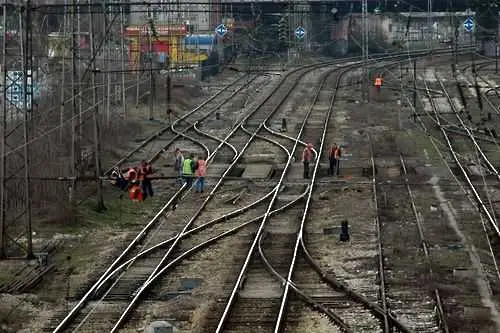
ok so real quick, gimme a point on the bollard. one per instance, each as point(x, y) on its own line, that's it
point(344, 231)
point(283, 125)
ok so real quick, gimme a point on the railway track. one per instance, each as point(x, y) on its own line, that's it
point(233, 318)
point(459, 195)
point(176, 248)
point(189, 223)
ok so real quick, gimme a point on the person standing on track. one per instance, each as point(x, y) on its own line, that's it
point(188, 168)
point(337, 154)
point(307, 156)
point(178, 164)
point(331, 159)
point(378, 83)
point(201, 170)
point(145, 171)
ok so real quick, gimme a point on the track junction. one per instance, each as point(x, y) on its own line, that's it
point(264, 243)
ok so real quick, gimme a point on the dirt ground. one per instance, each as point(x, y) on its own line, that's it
point(83, 248)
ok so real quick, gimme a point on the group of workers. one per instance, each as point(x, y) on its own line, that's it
point(334, 155)
point(136, 180)
point(190, 169)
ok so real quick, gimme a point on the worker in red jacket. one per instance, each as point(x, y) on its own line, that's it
point(145, 171)
point(307, 156)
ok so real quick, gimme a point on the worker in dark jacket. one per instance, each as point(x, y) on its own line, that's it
point(145, 172)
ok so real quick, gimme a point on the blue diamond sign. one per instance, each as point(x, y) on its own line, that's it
point(221, 30)
point(300, 32)
point(469, 24)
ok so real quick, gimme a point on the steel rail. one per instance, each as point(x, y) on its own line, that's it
point(376, 309)
point(140, 235)
point(284, 136)
point(151, 279)
point(284, 297)
point(440, 309)
point(213, 137)
point(166, 128)
point(315, 305)
point(224, 217)
point(466, 128)
point(187, 225)
point(244, 268)
point(300, 234)
point(173, 200)
point(287, 152)
point(212, 240)
point(479, 202)
point(379, 238)
point(219, 219)
point(189, 138)
point(435, 143)
point(247, 260)
point(143, 232)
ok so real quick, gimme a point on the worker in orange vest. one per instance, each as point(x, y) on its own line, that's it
point(378, 82)
point(134, 190)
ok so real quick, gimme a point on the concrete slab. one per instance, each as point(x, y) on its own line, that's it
point(257, 171)
point(260, 158)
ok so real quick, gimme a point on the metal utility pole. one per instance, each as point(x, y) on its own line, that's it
point(63, 79)
point(107, 64)
point(80, 104)
point(415, 83)
point(3, 165)
point(430, 26)
point(496, 54)
point(75, 142)
point(151, 77)
point(15, 203)
point(97, 146)
point(28, 109)
point(169, 91)
point(122, 54)
point(364, 26)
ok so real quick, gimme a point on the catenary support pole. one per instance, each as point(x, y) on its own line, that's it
point(63, 80)
point(123, 59)
point(108, 62)
point(97, 146)
point(27, 54)
point(415, 82)
point(3, 197)
point(74, 159)
point(151, 76)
